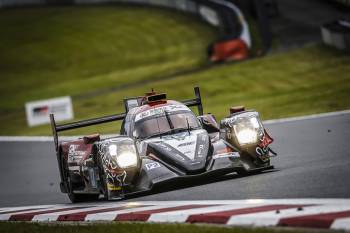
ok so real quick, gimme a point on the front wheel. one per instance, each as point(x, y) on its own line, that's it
point(242, 172)
point(75, 198)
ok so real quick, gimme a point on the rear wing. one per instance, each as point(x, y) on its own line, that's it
point(197, 101)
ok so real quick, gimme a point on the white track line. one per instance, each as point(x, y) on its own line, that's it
point(24, 208)
point(68, 138)
point(308, 117)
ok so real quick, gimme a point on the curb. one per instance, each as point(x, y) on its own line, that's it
point(308, 213)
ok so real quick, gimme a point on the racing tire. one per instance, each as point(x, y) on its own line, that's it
point(242, 172)
point(102, 175)
point(76, 198)
point(104, 186)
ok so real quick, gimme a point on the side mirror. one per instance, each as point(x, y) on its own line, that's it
point(209, 123)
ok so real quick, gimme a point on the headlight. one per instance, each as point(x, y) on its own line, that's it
point(246, 136)
point(127, 159)
point(247, 128)
point(124, 154)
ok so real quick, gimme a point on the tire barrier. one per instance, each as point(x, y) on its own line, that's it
point(234, 39)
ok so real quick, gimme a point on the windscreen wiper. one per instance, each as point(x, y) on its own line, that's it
point(168, 119)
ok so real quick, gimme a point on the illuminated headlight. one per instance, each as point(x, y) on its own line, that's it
point(127, 159)
point(125, 155)
point(247, 136)
point(247, 128)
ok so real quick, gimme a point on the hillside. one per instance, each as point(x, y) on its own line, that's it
point(85, 52)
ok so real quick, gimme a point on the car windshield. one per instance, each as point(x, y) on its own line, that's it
point(165, 123)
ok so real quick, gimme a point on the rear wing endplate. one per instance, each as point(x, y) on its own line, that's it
point(197, 101)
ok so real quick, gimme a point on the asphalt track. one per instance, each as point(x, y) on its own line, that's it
point(313, 162)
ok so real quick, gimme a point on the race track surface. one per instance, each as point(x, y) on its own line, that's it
point(313, 162)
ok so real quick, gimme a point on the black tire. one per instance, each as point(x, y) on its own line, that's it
point(102, 175)
point(103, 179)
point(104, 186)
point(76, 198)
point(242, 172)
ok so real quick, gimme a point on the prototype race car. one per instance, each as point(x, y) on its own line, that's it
point(160, 141)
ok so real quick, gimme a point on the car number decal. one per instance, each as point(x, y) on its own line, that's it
point(152, 165)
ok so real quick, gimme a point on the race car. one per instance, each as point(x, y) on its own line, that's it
point(160, 141)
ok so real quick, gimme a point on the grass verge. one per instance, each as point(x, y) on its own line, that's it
point(136, 228)
point(310, 80)
point(56, 51)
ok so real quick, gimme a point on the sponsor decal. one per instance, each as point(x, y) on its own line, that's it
point(200, 151)
point(189, 147)
point(74, 154)
point(226, 155)
point(160, 111)
point(172, 151)
point(262, 149)
point(186, 144)
point(113, 187)
point(202, 141)
point(152, 165)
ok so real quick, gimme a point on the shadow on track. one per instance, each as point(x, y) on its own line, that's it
point(183, 184)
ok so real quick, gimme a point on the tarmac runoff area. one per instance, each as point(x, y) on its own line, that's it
point(311, 176)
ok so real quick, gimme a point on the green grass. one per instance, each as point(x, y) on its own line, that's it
point(47, 52)
point(136, 228)
point(304, 81)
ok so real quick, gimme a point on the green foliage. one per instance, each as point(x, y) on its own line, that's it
point(48, 52)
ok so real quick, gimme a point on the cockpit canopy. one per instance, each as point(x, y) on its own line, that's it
point(164, 120)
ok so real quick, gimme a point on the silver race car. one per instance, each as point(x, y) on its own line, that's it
point(160, 141)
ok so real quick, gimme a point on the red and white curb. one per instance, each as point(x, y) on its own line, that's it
point(314, 213)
